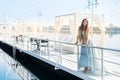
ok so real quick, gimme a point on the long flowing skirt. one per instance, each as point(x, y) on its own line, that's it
point(88, 57)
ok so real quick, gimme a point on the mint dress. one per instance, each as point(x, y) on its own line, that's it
point(84, 60)
point(87, 57)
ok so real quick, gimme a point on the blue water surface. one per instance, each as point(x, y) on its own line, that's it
point(6, 72)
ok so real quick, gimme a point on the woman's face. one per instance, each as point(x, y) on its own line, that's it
point(85, 22)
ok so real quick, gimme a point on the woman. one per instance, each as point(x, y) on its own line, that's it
point(88, 55)
point(82, 38)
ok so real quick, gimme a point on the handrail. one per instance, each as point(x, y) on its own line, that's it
point(77, 45)
point(117, 50)
point(59, 62)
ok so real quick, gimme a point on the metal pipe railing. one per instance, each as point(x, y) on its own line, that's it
point(82, 45)
point(90, 46)
point(102, 72)
point(61, 43)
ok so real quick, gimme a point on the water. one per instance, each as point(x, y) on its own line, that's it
point(6, 72)
point(110, 40)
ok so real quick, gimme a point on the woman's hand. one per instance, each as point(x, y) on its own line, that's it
point(86, 45)
point(76, 42)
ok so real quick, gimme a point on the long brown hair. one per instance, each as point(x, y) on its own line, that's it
point(80, 28)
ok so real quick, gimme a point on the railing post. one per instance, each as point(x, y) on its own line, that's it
point(32, 44)
point(27, 44)
point(78, 51)
point(40, 47)
point(60, 53)
point(23, 41)
point(14, 50)
point(48, 50)
point(102, 73)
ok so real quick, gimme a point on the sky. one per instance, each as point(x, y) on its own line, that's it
point(45, 10)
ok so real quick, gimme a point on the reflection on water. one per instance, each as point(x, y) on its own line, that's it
point(113, 34)
point(6, 72)
point(13, 70)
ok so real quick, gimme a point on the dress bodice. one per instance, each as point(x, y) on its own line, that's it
point(82, 35)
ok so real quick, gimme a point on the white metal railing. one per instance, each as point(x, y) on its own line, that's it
point(61, 58)
point(55, 51)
